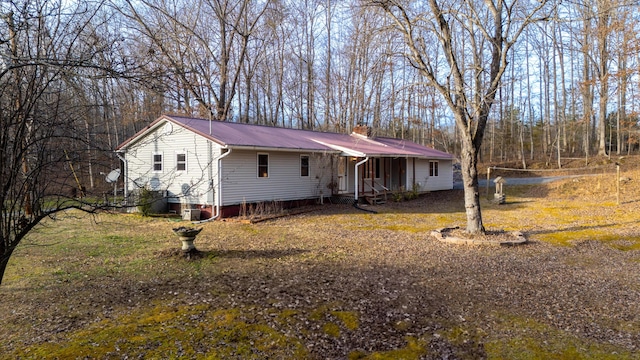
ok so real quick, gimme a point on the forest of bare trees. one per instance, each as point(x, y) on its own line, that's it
point(569, 89)
point(509, 81)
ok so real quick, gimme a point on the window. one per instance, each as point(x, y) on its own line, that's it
point(263, 165)
point(157, 162)
point(304, 165)
point(181, 162)
point(433, 168)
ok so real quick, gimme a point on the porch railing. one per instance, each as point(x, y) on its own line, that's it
point(369, 187)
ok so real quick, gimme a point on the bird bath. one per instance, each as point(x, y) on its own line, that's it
point(187, 235)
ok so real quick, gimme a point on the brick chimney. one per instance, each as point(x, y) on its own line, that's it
point(362, 130)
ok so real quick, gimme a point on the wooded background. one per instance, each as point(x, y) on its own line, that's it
point(109, 68)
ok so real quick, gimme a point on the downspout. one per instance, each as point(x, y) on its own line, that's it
point(219, 200)
point(210, 194)
point(355, 201)
point(357, 177)
point(125, 178)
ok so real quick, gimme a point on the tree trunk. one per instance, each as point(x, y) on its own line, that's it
point(602, 118)
point(475, 70)
point(587, 98)
point(6, 252)
point(89, 153)
point(603, 31)
point(622, 112)
point(469, 162)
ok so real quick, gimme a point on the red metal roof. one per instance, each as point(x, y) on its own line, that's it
point(237, 135)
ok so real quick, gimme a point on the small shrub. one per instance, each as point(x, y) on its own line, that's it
point(414, 193)
point(398, 195)
point(260, 209)
point(145, 201)
point(333, 186)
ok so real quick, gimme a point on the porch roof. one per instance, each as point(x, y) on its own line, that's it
point(237, 135)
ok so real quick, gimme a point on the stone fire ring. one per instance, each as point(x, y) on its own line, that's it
point(515, 238)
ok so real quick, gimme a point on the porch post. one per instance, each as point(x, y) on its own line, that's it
point(385, 172)
point(413, 181)
point(372, 173)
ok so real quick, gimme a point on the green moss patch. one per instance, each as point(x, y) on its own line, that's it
point(532, 340)
point(604, 235)
point(173, 332)
point(333, 321)
point(350, 319)
point(414, 349)
point(331, 329)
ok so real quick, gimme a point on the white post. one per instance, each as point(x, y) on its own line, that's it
point(617, 184)
point(356, 176)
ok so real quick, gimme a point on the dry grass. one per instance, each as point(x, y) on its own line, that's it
point(338, 283)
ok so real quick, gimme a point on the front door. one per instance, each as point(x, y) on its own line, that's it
point(342, 175)
point(398, 173)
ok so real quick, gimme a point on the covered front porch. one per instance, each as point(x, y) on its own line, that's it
point(374, 179)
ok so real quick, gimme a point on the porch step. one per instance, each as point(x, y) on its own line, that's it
point(375, 200)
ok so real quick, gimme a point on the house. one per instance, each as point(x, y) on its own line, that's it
point(219, 166)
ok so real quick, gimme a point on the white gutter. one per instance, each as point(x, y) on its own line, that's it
point(210, 193)
point(125, 176)
point(356, 180)
point(219, 200)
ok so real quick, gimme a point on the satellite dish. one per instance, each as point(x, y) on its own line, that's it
point(113, 176)
point(168, 128)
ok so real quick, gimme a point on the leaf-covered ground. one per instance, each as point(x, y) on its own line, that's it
point(338, 283)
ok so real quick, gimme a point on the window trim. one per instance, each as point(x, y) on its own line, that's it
point(433, 168)
point(184, 162)
point(154, 162)
point(258, 174)
point(308, 167)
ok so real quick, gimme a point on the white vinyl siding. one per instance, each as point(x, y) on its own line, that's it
point(442, 181)
point(190, 185)
point(240, 184)
point(240, 181)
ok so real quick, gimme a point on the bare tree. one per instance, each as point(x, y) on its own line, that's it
point(603, 11)
point(329, 9)
point(201, 45)
point(474, 38)
point(270, 77)
point(598, 28)
point(304, 61)
point(627, 44)
point(43, 138)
